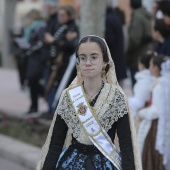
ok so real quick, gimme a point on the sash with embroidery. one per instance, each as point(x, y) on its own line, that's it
point(92, 126)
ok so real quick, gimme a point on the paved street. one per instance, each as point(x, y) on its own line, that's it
point(12, 99)
point(9, 165)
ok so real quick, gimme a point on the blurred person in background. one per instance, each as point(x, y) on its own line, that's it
point(163, 128)
point(115, 40)
point(139, 35)
point(143, 85)
point(161, 33)
point(18, 55)
point(64, 40)
point(121, 14)
point(20, 44)
point(151, 159)
point(50, 8)
point(161, 30)
point(164, 6)
point(34, 58)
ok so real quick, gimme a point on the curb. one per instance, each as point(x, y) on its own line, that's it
point(19, 152)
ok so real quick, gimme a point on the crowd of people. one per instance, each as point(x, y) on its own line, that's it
point(150, 76)
point(44, 50)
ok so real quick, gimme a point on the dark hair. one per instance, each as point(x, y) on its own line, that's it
point(98, 41)
point(70, 11)
point(158, 60)
point(135, 4)
point(146, 57)
point(34, 14)
point(164, 6)
point(162, 27)
point(121, 14)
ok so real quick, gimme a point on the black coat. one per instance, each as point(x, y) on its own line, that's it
point(51, 27)
point(62, 44)
point(164, 48)
point(52, 23)
point(34, 54)
point(115, 41)
point(65, 47)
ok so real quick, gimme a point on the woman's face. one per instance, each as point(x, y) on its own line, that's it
point(63, 16)
point(91, 60)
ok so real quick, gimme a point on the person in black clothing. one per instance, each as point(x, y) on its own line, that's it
point(50, 8)
point(34, 69)
point(161, 30)
point(50, 12)
point(18, 55)
point(63, 43)
point(97, 85)
point(115, 40)
point(139, 33)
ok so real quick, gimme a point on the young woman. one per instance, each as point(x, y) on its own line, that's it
point(151, 159)
point(90, 112)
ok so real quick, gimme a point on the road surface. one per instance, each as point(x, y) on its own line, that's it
point(9, 165)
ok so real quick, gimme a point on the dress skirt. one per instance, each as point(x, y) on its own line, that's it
point(83, 157)
point(151, 159)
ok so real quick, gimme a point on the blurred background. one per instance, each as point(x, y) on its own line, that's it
point(37, 43)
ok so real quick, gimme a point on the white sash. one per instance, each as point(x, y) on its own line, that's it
point(92, 126)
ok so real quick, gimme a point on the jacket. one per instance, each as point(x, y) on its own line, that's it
point(139, 35)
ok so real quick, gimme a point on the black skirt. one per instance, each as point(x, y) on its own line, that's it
point(83, 157)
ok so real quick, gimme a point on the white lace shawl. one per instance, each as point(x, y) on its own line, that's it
point(110, 106)
point(108, 112)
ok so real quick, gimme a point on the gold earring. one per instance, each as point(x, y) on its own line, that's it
point(103, 71)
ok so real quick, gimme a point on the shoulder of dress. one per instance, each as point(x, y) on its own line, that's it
point(64, 96)
point(114, 88)
point(110, 86)
point(117, 92)
point(64, 92)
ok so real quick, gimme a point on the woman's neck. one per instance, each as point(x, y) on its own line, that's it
point(92, 85)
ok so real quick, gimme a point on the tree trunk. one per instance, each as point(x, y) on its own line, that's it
point(92, 16)
point(8, 18)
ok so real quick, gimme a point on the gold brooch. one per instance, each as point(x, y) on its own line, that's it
point(82, 109)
